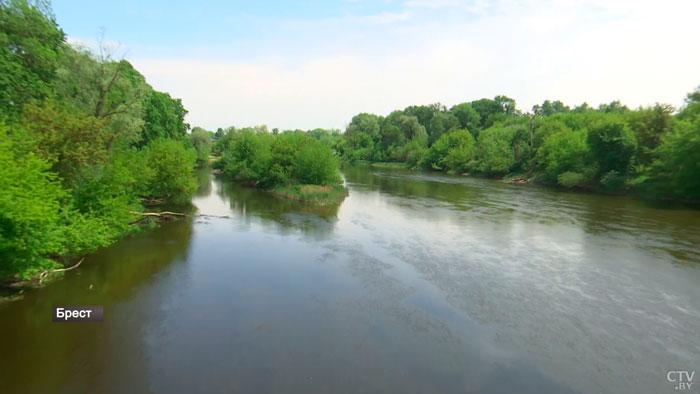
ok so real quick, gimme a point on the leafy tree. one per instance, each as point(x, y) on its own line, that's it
point(467, 116)
point(30, 210)
point(441, 123)
point(691, 110)
point(615, 107)
point(545, 128)
point(612, 144)
point(362, 135)
point(164, 118)
point(30, 44)
point(490, 111)
point(676, 170)
point(103, 88)
point(452, 151)
point(272, 160)
point(201, 141)
point(649, 126)
point(412, 128)
point(69, 140)
point(172, 164)
point(566, 152)
point(550, 108)
point(507, 104)
point(424, 113)
point(315, 164)
point(494, 150)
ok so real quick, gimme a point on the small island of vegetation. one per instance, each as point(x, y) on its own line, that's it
point(291, 164)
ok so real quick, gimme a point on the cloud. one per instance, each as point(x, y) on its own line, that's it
point(448, 51)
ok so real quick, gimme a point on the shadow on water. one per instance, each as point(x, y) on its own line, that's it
point(250, 204)
point(49, 353)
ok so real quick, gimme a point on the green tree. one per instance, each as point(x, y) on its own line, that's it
point(649, 126)
point(676, 171)
point(494, 151)
point(441, 123)
point(201, 141)
point(172, 164)
point(612, 144)
point(30, 44)
point(164, 117)
point(315, 164)
point(490, 111)
point(452, 151)
point(30, 210)
point(467, 116)
point(103, 88)
point(566, 151)
point(70, 141)
point(550, 108)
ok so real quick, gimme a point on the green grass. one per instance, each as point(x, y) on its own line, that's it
point(312, 193)
point(381, 164)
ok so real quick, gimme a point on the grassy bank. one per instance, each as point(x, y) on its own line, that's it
point(312, 193)
point(380, 164)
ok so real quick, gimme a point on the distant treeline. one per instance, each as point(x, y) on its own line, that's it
point(654, 150)
point(84, 142)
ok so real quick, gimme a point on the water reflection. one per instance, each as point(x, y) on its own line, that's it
point(248, 205)
point(40, 356)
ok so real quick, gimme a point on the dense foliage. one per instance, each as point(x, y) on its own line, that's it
point(84, 141)
point(272, 160)
point(653, 150)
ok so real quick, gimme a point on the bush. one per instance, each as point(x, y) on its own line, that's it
point(571, 179)
point(172, 164)
point(316, 165)
point(613, 145)
point(676, 169)
point(494, 151)
point(613, 181)
point(31, 198)
point(452, 151)
point(271, 160)
point(565, 151)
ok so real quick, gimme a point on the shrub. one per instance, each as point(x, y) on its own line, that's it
point(494, 151)
point(316, 165)
point(172, 164)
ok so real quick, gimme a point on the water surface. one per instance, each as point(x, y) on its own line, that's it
point(415, 283)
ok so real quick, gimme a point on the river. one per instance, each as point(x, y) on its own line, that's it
point(415, 283)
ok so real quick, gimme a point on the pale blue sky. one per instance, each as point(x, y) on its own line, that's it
point(317, 63)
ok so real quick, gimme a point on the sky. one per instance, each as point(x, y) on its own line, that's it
point(308, 64)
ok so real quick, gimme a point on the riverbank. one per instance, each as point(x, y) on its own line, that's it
point(536, 178)
point(312, 193)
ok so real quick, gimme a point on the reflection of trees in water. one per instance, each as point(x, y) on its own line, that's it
point(87, 355)
point(669, 228)
point(408, 183)
point(203, 181)
point(312, 219)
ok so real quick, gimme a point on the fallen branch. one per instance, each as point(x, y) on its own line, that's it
point(45, 273)
point(71, 267)
point(158, 214)
point(153, 200)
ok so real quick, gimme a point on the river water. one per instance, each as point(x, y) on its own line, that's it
point(415, 283)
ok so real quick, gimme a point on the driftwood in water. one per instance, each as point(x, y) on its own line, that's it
point(165, 215)
point(152, 200)
point(45, 273)
point(159, 214)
